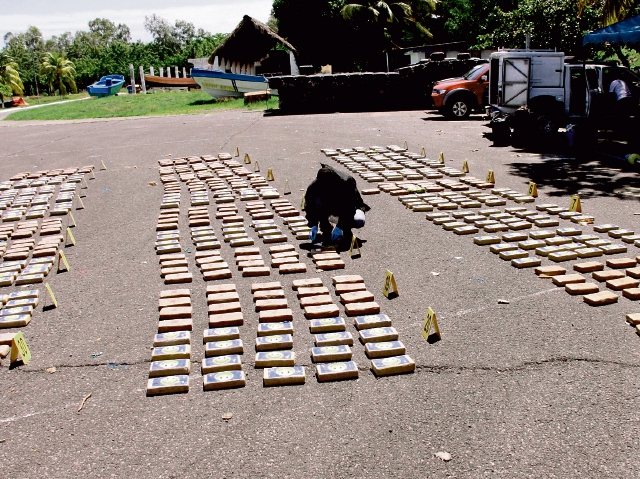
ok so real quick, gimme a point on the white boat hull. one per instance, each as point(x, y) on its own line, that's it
point(230, 85)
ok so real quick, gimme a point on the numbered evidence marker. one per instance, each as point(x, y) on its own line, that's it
point(533, 189)
point(69, 236)
point(63, 258)
point(575, 205)
point(270, 175)
point(490, 177)
point(465, 167)
point(237, 152)
point(423, 152)
point(354, 243)
point(51, 295)
point(224, 380)
point(19, 349)
point(390, 289)
point(284, 375)
point(247, 159)
point(441, 157)
point(336, 371)
point(430, 322)
point(287, 190)
point(256, 167)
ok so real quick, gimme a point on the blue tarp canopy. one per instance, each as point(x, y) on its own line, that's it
point(624, 32)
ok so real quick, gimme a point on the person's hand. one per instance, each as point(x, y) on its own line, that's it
point(313, 233)
point(336, 234)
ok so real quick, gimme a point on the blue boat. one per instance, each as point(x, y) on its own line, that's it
point(107, 86)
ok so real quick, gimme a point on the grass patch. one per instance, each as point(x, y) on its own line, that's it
point(172, 103)
point(33, 100)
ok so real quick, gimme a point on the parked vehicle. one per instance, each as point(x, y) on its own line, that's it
point(456, 98)
point(537, 92)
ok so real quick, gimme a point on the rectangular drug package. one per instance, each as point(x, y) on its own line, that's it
point(284, 375)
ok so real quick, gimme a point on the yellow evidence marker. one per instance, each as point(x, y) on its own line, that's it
point(51, 295)
point(70, 237)
point(247, 159)
point(441, 157)
point(19, 349)
point(256, 167)
point(423, 152)
point(430, 322)
point(237, 152)
point(533, 189)
point(63, 258)
point(270, 175)
point(575, 204)
point(465, 167)
point(406, 146)
point(103, 166)
point(390, 289)
point(287, 190)
point(354, 243)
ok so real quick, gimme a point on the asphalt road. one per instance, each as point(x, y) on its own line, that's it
point(544, 386)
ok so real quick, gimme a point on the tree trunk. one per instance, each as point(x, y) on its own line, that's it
point(621, 56)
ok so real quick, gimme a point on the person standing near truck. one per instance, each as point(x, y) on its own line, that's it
point(624, 101)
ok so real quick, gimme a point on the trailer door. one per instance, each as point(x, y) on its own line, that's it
point(515, 81)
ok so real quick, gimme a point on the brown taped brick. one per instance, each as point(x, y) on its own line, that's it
point(170, 325)
point(548, 271)
point(175, 312)
point(275, 315)
point(564, 279)
point(249, 257)
point(607, 275)
point(330, 265)
point(348, 278)
point(221, 308)
point(214, 274)
point(167, 271)
point(601, 298)
point(214, 266)
point(316, 300)
point(226, 297)
point(261, 286)
point(246, 250)
point(356, 297)
point(581, 288)
point(170, 302)
point(588, 267)
point(220, 288)
point(349, 288)
point(622, 283)
point(306, 283)
point(621, 263)
point(631, 293)
point(251, 264)
point(256, 271)
point(323, 311)
point(175, 293)
point(281, 248)
point(268, 294)
point(312, 291)
point(634, 272)
point(358, 309)
point(178, 278)
point(267, 304)
point(292, 268)
point(226, 319)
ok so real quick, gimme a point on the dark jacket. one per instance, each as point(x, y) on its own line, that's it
point(333, 193)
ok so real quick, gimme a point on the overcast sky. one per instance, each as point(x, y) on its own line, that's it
point(54, 17)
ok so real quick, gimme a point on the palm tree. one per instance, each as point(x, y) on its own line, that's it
point(10, 82)
point(385, 13)
point(612, 10)
point(58, 70)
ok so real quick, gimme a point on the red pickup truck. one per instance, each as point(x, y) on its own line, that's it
point(457, 97)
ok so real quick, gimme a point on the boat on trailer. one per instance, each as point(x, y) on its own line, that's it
point(107, 85)
point(220, 84)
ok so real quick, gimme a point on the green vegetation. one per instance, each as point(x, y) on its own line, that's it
point(10, 82)
point(175, 103)
point(33, 100)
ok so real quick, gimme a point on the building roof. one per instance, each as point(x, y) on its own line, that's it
point(250, 42)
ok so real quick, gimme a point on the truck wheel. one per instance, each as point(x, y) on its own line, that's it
point(458, 108)
point(546, 125)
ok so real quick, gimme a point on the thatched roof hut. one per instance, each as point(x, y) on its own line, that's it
point(249, 43)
